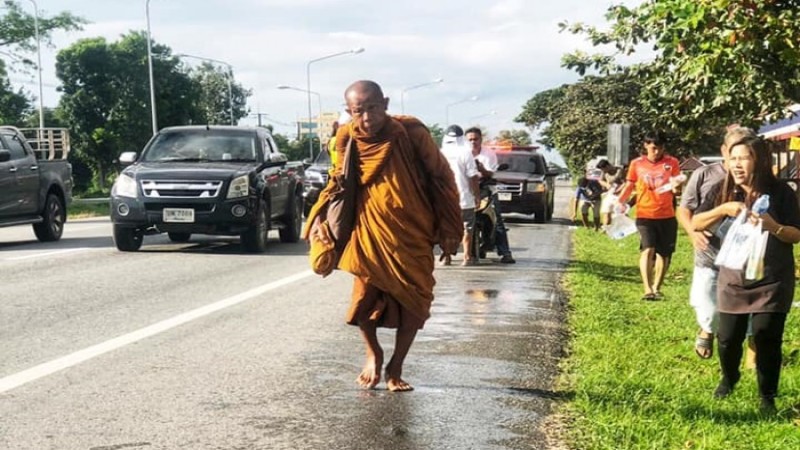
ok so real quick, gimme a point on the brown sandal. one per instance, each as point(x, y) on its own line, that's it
point(703, 344)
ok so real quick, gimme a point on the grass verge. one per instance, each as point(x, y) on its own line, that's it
point(632, 377)
point(84, 210)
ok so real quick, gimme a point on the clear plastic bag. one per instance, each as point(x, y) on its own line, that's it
point(621, 226)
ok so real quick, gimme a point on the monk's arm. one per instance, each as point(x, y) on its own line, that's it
point(441, 182)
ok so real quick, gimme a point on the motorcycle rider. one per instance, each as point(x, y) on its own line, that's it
point(487, 165)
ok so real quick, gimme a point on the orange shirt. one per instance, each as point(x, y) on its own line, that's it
point(647, 177)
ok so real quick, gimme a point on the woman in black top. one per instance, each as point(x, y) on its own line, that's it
point(768, 299)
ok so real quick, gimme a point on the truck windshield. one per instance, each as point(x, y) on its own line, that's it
point(205, 145)
point(522, 162)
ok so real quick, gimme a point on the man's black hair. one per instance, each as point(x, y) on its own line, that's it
point(655, 137)
point(603, 163)
point(475, 130)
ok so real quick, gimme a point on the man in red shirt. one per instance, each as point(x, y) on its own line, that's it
point(651, 176)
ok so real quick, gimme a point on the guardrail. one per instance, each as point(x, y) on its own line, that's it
point(90, 201)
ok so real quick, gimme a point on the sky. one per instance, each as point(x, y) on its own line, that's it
point(501, 51)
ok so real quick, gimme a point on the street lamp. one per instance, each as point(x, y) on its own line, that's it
point(150, 70)
point(447, 108)
point(403, 92)
point(38, 68)
point(319, 114)
point(354, 51)
point(230, 76)
point(490, 113)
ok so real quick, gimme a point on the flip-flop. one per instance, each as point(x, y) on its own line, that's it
point(649, 296)
point(658, 295)
point(704, 343)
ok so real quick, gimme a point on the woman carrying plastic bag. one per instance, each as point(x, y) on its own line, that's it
point(767, 298)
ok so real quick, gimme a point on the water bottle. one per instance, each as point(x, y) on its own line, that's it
point(677, 180)
point(761, 205)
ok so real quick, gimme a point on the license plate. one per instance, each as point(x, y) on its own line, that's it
point(179, 215)
point(504, 196)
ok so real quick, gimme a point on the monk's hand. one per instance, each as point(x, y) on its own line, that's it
point(321, 232)
point(449, 246)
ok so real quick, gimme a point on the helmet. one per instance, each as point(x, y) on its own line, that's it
point(454, 131)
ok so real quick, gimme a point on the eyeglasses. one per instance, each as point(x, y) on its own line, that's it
point(369, 108)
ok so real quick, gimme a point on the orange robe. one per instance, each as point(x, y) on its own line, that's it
point(407, 202)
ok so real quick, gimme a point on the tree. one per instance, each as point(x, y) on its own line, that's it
point(214, 97)
point(715, 61)
point(437, 133)
point(106, 97)
point(18, 34)
point(515, 137)
point(14, 105)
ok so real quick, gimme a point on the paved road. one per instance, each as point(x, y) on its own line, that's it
point(200, 346)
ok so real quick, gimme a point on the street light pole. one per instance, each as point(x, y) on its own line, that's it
point(230, 77)
point(490, 113)
point(447, 108)
point(319, 106)
point(308, 90)
point(403, 92)
point(38, 68)
point(150, 70)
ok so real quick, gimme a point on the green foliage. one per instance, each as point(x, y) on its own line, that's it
point(633, 379)
point(715, 61)
point(437, 133)
point(516, 137)
point(574, 117)
point(14, 105)
point(106, 97)
point(214, 99)
point(18, 34)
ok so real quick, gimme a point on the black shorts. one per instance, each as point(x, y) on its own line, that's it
point(659, 234)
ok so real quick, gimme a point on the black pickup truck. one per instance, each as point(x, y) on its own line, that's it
point(219, 180)
point(35, 180)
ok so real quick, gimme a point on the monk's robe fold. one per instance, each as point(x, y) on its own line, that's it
point(407, 202)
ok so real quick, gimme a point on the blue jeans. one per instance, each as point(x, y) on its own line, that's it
point(500, 236)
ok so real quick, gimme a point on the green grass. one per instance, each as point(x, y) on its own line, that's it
point(83, 210)
point(632, 378)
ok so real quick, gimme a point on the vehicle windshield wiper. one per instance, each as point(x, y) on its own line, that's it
point(181, 160)
point(235, 160)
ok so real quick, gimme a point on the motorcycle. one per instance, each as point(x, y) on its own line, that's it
point(483, 235)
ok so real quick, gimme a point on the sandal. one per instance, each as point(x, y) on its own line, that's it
point(704, 346)
point(649, 296)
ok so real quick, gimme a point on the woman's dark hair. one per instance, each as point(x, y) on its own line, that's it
point(603, 163)
point(763, 177)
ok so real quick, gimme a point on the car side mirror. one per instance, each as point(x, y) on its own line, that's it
point(5, 155)
point(502, 167)
point(127, 158)
point(553, 173)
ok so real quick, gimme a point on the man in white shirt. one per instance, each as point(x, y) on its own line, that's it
point(487, 166)
point(465, 169)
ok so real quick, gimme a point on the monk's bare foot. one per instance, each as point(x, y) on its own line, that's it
point(394, 382)
point(397, 385)
point(371, 375)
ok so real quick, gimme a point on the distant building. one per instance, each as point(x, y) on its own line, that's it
point(325, 123)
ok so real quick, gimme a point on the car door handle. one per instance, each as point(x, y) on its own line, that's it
point(12, 170)
point(34, 167)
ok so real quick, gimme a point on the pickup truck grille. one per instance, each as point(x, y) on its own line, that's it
point(181, 189)
point(509, 187)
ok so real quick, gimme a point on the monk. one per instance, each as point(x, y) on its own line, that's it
point(407, 202)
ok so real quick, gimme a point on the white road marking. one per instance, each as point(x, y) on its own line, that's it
point(42, 370)
point(40, 255)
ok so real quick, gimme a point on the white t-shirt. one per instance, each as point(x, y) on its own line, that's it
point(488, 158)
point(463, 166)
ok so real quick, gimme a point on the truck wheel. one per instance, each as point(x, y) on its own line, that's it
point(540, 214)
point(293, 223)
point(179, 237)
point(54, 215)
point(127, 239)
point(255, 239)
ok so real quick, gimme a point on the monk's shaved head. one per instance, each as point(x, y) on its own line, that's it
point(367, 105)
point(366, 87)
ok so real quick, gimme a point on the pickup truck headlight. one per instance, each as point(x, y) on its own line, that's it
point(536, 187)
point(125, 186)
point(240, 187)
